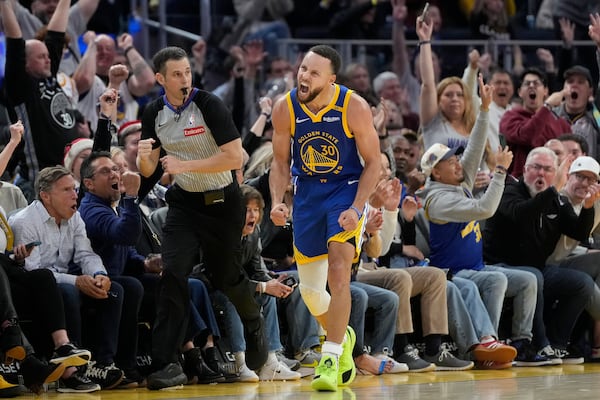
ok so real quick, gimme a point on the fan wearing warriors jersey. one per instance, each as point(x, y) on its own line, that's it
point(331, 129)
point(206, 210)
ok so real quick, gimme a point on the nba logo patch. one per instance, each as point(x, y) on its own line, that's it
point(192, 120)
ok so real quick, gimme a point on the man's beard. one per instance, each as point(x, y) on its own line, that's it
point(310, 97)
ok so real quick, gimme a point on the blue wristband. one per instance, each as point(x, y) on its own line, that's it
point(357, 211)
point(99, 273)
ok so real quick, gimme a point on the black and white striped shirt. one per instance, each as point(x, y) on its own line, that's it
point(193, 131)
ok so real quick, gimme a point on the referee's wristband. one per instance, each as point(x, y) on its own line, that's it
point(358, 212)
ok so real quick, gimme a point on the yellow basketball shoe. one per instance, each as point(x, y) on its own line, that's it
point(347, 369)
point(326, 374)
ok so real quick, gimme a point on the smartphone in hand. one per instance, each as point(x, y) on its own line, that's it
point(290, 281)
point(31, 245)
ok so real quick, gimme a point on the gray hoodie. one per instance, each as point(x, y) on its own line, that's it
point(449, 203)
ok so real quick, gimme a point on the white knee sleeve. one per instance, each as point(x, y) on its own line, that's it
point(313, 283)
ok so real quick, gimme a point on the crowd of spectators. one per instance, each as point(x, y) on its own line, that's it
point(70, 126)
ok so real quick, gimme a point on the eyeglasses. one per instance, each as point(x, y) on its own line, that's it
point(107, 171)
point(537, 167)
point(536, 83)
point(584, 178)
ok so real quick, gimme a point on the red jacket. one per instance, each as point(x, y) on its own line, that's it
point(525, 130)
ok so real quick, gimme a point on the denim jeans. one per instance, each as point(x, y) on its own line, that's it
point(105, 326)
point(540, 340)
point(588, 263)
point(133, 292)
point(385, 304)
point(233, 324)
point(303, 328)
point(202, 316)
point(468, 319)
point(492, 289)
point(521, 287)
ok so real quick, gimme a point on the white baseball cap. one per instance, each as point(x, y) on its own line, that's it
point(436, 153)
point(585, 163)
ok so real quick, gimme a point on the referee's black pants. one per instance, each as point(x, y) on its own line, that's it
point(192, 226)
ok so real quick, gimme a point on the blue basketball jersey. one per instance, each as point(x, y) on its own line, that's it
point(326, 169)
point(455, 245)
point(323, 146)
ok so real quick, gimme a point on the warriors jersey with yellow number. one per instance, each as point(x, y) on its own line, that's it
point(326, 170)
point(323, 146)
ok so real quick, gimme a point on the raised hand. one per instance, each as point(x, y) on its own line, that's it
point(16, 131)
point(424, 27)
point(567, 29)
point(409, 208)
point(486, 91)
point(125, 41)
point(504, 157)
point(594, 28)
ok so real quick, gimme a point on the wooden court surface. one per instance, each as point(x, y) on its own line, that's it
point(548, 383)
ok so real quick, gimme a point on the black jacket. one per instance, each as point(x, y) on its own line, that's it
point(525, 230)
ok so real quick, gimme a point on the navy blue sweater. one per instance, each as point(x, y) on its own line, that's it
point(114, 236)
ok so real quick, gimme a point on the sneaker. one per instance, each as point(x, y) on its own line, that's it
point(132, 379)
point(569, 356)
point(326, 375)
point(170, 376)
point(36, 373)
point(308, 358)
point(396, 366)
point(549, 353)
point(196, 369)
point(595, 356)
point(70, 355)
point(489, 364)
point(11, 342)
point(77, 383)
point(526, 355)
point(246, 374)
point(293, 365)
point(411, 358)
point(277, 371)
point(494, 351)
point(212, 360)
point(445, 361)
point(347, 369)
point(107, 376)
point(256, 346)
point(8, 389)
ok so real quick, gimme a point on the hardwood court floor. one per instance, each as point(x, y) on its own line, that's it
point(548, 383)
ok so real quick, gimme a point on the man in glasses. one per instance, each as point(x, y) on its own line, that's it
point(525, 230)
point(570, 253)
point(535, 123)
point(65, 249)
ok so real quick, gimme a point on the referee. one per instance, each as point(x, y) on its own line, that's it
point(206, 212)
